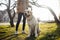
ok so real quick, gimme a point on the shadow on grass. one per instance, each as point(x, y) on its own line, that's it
point(14, 36)
point(2, 32)
point(30, 38)
point(54, 35)
point(9, 37)
point(49, 36)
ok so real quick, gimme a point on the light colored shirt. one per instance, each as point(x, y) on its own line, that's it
point(22, 5)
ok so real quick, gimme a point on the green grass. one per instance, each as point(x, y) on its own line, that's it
point(49, 31)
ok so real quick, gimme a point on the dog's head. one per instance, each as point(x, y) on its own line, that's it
point(28, 12)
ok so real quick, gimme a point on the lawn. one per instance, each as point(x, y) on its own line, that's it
point(49, 31)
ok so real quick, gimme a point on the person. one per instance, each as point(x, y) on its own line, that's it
point(21, 6)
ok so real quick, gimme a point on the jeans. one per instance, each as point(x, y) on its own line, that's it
point(19, 19)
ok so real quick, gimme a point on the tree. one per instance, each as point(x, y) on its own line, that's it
point(9, 11)
point(11, 18)
point(53, 13)
point(44, 6)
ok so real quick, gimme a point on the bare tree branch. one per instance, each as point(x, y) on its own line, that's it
point(14, 5)
point(4, 4)
point(37, 5)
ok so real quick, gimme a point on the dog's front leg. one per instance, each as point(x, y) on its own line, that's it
point(29, 31)
point(38, 30)
point(36, 34)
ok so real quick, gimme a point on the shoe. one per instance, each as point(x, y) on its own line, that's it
point(16, 32)
point(23, 32)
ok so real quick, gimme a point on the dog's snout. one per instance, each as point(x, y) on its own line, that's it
point(27, 15)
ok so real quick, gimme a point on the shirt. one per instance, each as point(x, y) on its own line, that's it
point(22, 5)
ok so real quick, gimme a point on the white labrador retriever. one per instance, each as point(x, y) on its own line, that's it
point(32, 23)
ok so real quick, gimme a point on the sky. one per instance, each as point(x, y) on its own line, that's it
point(3, 7)
point(43, 13)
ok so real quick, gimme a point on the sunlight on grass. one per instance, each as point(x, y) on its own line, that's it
point(47, 32)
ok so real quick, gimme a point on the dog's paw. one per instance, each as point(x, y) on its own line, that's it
point(23, 32)
point(28, 36)
point(36, 35)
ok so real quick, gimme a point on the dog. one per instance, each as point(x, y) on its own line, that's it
point(32, 23)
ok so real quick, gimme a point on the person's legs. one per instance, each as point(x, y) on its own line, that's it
point(24, 22)
point(19, 19)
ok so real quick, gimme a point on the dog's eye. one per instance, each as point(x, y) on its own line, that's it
point(25, 14)
point(28, 11)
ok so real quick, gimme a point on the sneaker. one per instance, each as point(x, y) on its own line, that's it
point(23, 32)
point(16, 32)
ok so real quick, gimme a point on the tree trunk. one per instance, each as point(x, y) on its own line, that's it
point(11, 18)
point(11, 22)
point(9, 13)
point(55, 17)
